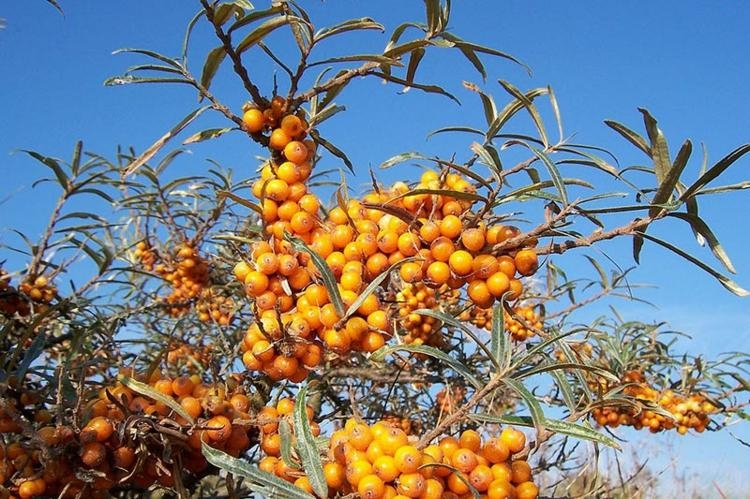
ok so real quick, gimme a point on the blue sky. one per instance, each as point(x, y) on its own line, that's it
point(686, 61)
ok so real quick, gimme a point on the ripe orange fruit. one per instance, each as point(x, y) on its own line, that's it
point(411, 484)
point(461, 263)
point(526, 262)
point(521, 472)
point(253, 120)
point(498, 284)
point(407, 459)
point(480, 293)
point(292, 125)
point(450, 226)
point(473, 239)
point(279, 139)
point(295, 151)
point(438, 273)
point(514, 439)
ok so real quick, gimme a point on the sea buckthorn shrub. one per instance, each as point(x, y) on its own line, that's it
point(267, 329)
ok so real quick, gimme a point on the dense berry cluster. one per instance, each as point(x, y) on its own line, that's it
point(382, 461)
point(522, 324)
point(662, 410)
point(127, 438)
point(33, 292)
point(187, 274)
point(420, 329)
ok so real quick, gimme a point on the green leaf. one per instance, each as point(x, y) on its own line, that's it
point(262, 31)
point(700, 227)
point(431, 89)
point(349, 25)
point(329, 280)
point(332, 149)
point(255, 15)
point(453, 322)
point(557, 180)
point(454, 364)
point(511, 109)
point(535, 409)
point(414, 58)
point(156, 146)
point(599, 270)
point(152, 393)
point(373, 285)
point(575, 430)
point(400, 158)
point(530, 107)
point(152, 54)
point(630, 136)
point(326, 113)
point(488, 104)
point(659, 149)
point(379, 58)
point(716, 170)
point(306, 446)
point(264, 483)
point(285, 434)
point(724, 280)
point(54, 165)
point(499, 345)
point(32, 353)
point(211, 66)
point(488, 155)
point(208, 134)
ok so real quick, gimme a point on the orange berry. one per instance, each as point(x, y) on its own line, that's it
point(99, 429)
point(521, 472)
point(408, 244)
point(384, 466)
point(516, 288)
point(461, 263)
point(292, 125)
point(279, 139)
point(500, 489)
point(438, 273)
point(335, 475)
point(471, 440)
point(295, 151)
point(526, 262)
point(289, 172)
point(498, 284)
point(484, 266)
point(357, 470)
point(506, 265)
point(480, 294)
point(411, 484)
point(514, 439)
point(411, 272)
point(473, 239)
point(309, 203)
point(451, 226)
point(371, 487)
point(442, 248)
point(495, 451)
point(429, 231)
point(407, 459)
point(253, 120)
point(527, 490)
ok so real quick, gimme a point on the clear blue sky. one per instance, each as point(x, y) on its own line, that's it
point(686, 61)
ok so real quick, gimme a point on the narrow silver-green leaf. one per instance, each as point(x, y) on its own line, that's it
point(348, 25)
point(264, 483)
point(553, 172)
point(717, 169)
point(329, 280)
point(262, 31)
point(306, 446)
point(414, 59)
point(701, 227)
point(152, 393)
point(432, 352)
point(499, 344)
point(53, 165)
point(211, 66)
point(630, 136)
point(373, 285)
point(510, 110)
point(208, 134)
point(286, 437)
point(659, 149)
point(530, 107)
point(535, 408)
point(724, 280)
point(488, 104)
point(332, 149)
point(452, 321)
point(400, 158)
point(255, 15)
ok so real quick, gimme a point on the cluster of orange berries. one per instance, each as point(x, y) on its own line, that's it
point(122, 442)
point(521, 325)
point(420, 329)
point(382, 461)
point(145, 255)
point(450, 398)
point(187, 357)
point(188, 275)
point(33, 290)
point(691, 412)
point(215, 307)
